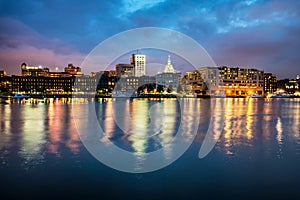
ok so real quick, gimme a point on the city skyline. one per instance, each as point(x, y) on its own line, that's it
point(258, 34)
point(157, 68)
point(129, 78)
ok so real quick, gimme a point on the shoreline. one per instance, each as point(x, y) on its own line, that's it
point(59, 96)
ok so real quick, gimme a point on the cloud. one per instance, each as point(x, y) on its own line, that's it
point(260, 48)
point(20, 43)
point(131, 6)
point(245, 33)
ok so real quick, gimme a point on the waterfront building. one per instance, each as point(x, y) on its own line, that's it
point(72, 70)
point(146, 80)
point(2, 73)
point(289, 86)
point(194, 83)
point(139, 63)
point(242, 82)
point(106, 83)
point(41, 85)
point(125, 70)
point(33, 70)
point(5, 84)
point(270, 83)
point(85, 84)
point(212, 80)
point(59, 74)
point(112, 73)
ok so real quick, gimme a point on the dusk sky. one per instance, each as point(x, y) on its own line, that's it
point(53, 33)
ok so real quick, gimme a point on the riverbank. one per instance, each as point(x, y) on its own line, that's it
point(37, 96)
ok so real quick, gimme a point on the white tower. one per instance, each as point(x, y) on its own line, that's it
point(169, 68)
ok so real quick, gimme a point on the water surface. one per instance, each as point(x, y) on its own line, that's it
point(256, 156)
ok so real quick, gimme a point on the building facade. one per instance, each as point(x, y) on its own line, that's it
point(42, 85)
point(139, 63)
point(270, 83)
point(194, 83)
point(125, 70)
point(72, 70)
point(5, 84)
point(213, 83)
point(33, 70)
point(2, 73)
point(290, 87)
point(242, 82)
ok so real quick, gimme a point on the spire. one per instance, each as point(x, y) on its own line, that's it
point(169, 60)
point(169, 68)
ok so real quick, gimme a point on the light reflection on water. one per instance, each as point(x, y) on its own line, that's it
point(257, 154)
point(40, 129)
point(249, 122)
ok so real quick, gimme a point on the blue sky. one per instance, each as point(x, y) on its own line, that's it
point(252, 33)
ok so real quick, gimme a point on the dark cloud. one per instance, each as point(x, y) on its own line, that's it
point(257, 33)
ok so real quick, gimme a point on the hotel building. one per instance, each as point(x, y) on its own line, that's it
point(242, 82)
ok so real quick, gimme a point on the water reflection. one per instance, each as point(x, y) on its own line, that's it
point(62, 132)
point(30, 130)
point(139, 125)
point(33, 135)
point(54, 126)
point(249, 122)
point(5, 133)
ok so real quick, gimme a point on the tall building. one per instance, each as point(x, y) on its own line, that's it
point(270, 83)
point(139, 63)
point(241, 81)
point(125, 70)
